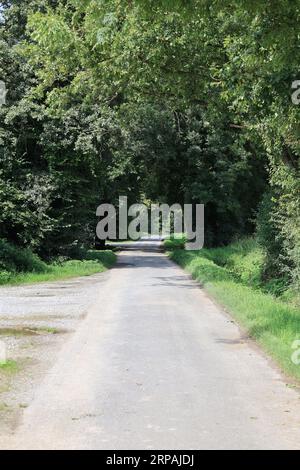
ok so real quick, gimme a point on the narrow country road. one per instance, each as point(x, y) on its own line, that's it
point(157, 365)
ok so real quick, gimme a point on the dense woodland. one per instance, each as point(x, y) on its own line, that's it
point(168, 101)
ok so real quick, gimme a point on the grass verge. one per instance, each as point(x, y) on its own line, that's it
point(231, 275)
point(93, 262)
point(9, 367)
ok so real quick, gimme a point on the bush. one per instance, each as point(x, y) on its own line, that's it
point(5, 277)
point(175, 243)
point(107, 257)
point(243, 260)
point(269, 237)
point(14, 259)
point(278, 229)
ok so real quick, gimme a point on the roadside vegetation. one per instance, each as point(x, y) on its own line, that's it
point(21, 266)
point(9, 367)
point(233, 275)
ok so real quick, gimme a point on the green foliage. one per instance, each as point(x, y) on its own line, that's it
point(166, 100)
point(107, 258)
point(286, 217)
point(9, 367)
point(175, 243)
point(242, 260)
point(269, 236)
point(19, 265)
point(53, 145)
point(15, 259)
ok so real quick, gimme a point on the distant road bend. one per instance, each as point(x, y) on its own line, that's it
point(157, 365)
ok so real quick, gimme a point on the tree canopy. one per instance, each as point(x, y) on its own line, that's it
point(172, 101)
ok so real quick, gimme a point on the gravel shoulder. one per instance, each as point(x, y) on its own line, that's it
point(35, 322)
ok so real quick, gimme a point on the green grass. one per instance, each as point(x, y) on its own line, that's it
point(175, 243)
point(30, 331)
point(232, 275)
point(9, 367)
point(93, 262)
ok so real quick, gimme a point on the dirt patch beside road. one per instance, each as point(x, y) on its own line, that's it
point(30, 356)
point(35, 321)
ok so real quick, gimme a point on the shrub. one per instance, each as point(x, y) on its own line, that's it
point(269, 236)
point(15, 259)
point(175, 243)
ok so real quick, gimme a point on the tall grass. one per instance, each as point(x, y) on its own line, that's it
point(21, 266)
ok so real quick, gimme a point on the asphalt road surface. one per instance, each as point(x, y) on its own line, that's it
point(157, 365)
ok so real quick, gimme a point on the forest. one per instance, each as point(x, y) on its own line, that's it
point(161, 101)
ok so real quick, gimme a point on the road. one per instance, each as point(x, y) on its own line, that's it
point(157, 365)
